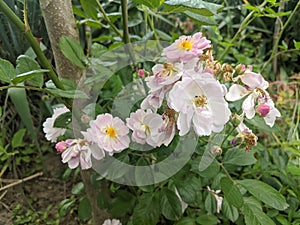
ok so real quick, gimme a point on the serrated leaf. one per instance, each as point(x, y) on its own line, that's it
point(26, 64)
point(186, 221)
point(235, 156)
point(7, 71)
point(170, 205)
point(207, 220)
point(254, 214)
point(17, 139)
point(229, 211)
point(231, 192)
point(63, 120)
point(265, 193)
point(195, 6)
point(25, 76)
point(67, 93)
point(150, 4)
point(147, 210)
point(72, 51)
point(84, 209)
point(78, 188)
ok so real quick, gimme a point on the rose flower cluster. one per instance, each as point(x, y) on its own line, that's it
point(190, 88)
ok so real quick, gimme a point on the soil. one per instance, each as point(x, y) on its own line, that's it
point(40, 194)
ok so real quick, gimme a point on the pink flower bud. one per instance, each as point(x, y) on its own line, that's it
point(141, 72)
point(263, 109)
point(85, 118)
point(61, 146)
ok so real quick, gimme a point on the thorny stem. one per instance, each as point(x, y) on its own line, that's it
point(249, 18)
point(32, 41)
point(106, 18)
point(275, 47)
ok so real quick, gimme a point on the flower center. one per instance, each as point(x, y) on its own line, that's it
point(200, 101)
point(146, 129)
point(111, 132)
point(186, 44)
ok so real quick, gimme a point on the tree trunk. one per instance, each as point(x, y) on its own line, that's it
point(60, 21)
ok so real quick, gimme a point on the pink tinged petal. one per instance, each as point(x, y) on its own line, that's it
point(184, 123)
point(263, 109)
point(73, 163)
point(202, 122)
point(97, 153)
point(254, 80)
point(85, 159)
point(271, 117)
point(69, 153)
point(236, 92)
point(248, 106)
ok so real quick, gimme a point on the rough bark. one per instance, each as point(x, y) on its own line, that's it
point(60, 21)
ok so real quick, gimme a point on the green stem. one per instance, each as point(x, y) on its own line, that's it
point(106, 18)
point(249, 18)
point(275, 47)
point(32, 41)
point(25, 87)
point(126, 37)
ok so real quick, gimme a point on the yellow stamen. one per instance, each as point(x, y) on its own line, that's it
point(147, 129)
point(186, 44)
point(111, 132)
point(200, 101)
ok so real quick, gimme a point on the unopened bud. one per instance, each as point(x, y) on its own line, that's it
point(61, 146)
point(236, 119)
point(85, 118)
point(141, 72)
point(263, 110)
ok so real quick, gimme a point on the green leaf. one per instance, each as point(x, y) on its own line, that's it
point(25, 76)
point(199, 19)
point(147, 210)
point(17, 139)
point(252, 8)
point(63, 120)
point(90, 8)
point(207, 220)
point(150, 4)
point(186, 221)
point(195, 6)
point(265, 193)
point(64, 206)
point(170, 205)
point(229, 211)
point(84, 209)
point(26, 64)
point(19, 99)
point(187, 191)
point(235, 156)
point(7, 71)
point(122, 203)
point(72, 51)
point(67, 93)
point(296, 44)
point(254, 214)
point(78, 188)
point(231, 192)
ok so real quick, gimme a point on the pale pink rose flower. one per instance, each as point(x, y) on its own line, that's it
point(154, 99)
point(163, 75)
point(255, 90)
point(167, 130)
point(109, 133)
point(186, 48)
point(112, 222)
point(51, 132)
point(273, 113)
point(200, 103)
point(77, 153)
point(145, 126)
